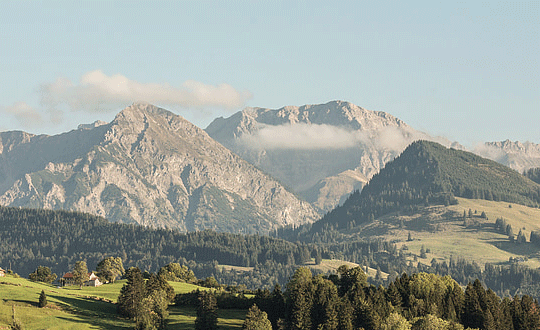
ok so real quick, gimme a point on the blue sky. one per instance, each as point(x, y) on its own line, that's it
point(468, 71)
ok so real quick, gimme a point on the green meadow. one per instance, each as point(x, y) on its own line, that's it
point(87, 308)
point(442, 230)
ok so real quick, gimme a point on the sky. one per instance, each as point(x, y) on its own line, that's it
point(468, 71)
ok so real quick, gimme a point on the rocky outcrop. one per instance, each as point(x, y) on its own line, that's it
point(323, 152)
point(520, 156)
point(148, 166)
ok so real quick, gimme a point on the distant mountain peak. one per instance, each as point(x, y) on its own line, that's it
point(148, 166)
point(520, 156)
point(312, 147)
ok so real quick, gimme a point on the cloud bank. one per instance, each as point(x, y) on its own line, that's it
point(304, 136)
point(98, 92)
point(26, 116)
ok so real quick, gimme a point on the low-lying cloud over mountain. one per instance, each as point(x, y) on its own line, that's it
point(303, 136)
point(520, 156)
point(323, 151)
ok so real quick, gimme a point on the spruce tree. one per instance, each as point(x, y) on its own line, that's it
point(206, 311)
point(131, 294)
point(42, 299)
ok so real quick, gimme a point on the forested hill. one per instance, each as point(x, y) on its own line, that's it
point(429, 173)
point(57, 239)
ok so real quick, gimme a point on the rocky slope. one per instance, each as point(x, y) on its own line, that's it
point(323, 152)
point(147, 166)
point(520, 156)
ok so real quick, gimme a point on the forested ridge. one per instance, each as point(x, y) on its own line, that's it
point(429, 173)
point(57, 239)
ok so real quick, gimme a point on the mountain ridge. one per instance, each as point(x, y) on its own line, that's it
point(151, 167)
point(429, 173)
point(345, 138)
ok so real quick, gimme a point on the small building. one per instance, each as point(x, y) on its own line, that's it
point(2, 272)
point(93, 279)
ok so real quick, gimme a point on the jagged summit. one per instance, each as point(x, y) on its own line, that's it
point(322, 151)
point(148, 166)
point(520, 156)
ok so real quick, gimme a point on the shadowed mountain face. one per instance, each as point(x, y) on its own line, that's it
point(323, 152)
point(147, 166)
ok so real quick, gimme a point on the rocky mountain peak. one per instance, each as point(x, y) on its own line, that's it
point(152, 167)
point(314, 148)
point(520, 156)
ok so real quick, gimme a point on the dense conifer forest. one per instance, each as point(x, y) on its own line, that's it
point(58, 239)
point(346, 300)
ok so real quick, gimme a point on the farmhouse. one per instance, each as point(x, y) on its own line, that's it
point(68, 279)
point(2, 272)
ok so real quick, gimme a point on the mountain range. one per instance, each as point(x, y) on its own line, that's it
point(256, 171)
point(147, 166)
point(521, 156)
point(323, 152)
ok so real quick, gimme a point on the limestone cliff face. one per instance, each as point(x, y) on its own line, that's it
point(148, 166)
point(323, 152)
point(520, 156)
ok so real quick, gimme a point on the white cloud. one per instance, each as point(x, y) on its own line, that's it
point(312, 136)
point(302, 136)
point(98, 92)
point(490, 152)
point(27, 116)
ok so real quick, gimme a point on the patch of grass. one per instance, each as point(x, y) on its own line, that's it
point(89, 307)
point(181, 318)
point(441, 229)
point(66, 309)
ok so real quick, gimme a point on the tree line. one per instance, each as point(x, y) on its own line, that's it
point(346, 300)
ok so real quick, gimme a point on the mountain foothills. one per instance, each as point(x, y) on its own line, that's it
point(429, 173)
point(323, 152)
point(148, 166)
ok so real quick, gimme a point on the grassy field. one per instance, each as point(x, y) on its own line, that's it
point(89, 308)
point(442, 230)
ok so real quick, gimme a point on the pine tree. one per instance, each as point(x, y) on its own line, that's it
point(132, 293)
point(423, 252)
point(256, 320)
point(42, 299)
point(300, 299)
point(206, 311)
point(472, 315)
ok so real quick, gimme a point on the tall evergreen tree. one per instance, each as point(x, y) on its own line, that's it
point(300, 299)
point(132, 293)
point(206, 311)
point(325, 304)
